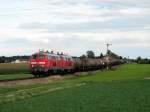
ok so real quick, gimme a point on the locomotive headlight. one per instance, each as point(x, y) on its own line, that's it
point(42, 63)
point(33, 62)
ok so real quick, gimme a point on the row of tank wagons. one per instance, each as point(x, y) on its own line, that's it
point(95, 63)
point(88, 64)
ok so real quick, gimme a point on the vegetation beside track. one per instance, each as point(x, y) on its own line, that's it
point(13, 68)
point(124, 72)
point(15, 76)
point(123, 89)
point(12, 71)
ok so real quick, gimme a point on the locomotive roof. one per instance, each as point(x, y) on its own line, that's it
point(53, 54)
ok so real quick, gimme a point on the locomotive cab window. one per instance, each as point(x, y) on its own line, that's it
point(53, 57)
point(34, 56)
point(41, 56)
point(58, 58)
point(69, 59)
point(65, 59)
point(49, 57)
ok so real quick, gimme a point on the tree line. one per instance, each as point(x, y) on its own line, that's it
point(91, 54)
point(4, 59)
point(141, 60)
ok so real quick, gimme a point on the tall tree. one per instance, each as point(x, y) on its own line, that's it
point(101, 55)
point(139, 59)
point(83, 56)
point(90, 54)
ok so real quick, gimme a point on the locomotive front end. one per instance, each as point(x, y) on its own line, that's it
point(38, 63)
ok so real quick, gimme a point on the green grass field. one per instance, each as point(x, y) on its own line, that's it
point(126, 89)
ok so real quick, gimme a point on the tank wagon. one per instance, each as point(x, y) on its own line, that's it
point(84, 64)
point(48, 62)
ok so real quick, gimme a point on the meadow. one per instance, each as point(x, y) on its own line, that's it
point(13, 68)
point(14, 71)
point(125, 89)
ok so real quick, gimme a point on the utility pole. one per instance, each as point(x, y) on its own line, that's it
point(128, 59)
point(108, 46)
point(107, 60)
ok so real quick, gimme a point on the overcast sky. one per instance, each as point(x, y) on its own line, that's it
point(75, 26)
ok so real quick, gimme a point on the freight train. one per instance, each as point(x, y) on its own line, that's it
point(42, 63)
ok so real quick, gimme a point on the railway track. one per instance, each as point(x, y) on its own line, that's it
point(34, 80)
point(17, 79)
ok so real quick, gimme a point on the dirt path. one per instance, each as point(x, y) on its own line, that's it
point(24, 82)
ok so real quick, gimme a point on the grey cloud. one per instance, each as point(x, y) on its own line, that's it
point(118, 24)
point(18, 40)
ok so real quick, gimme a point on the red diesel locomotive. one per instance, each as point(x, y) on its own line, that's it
point(46, 62)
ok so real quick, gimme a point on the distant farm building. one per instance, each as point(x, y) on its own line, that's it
point(111, 56)
point(20, 61)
